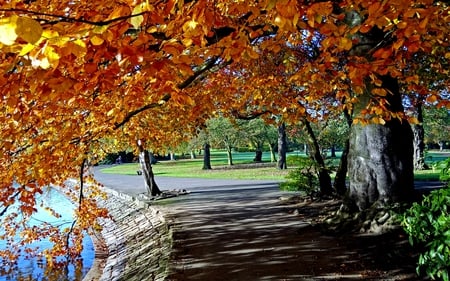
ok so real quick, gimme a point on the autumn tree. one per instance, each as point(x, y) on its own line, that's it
point(77, 73)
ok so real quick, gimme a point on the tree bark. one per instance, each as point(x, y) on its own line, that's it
point(339, 184)
point(282, 147)
point(259, 145)
point(419, 143)
point(206, 156)
point(333, 151)
point(229, 156)
point(258, 155)
point(147, 171)
point(273, 158)
point(324, 175)
point(381, 156)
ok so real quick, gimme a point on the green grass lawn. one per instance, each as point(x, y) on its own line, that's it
point(193, 168)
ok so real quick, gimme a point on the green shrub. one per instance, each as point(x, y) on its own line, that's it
point(428, 225)
point(445, 172)
point(304, 178)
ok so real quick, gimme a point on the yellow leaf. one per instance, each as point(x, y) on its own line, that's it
point(100, 29)
point(346, 43)
point(44, 63)
point(152, 29)
point(28, 29)
point(119, 12)
point(271, 4)
point(8, 33)
point(51, 54)
point(26, 49)
point(96, 41)
point(136, 21)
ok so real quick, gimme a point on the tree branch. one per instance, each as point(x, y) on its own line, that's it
point(250, 116)
point(72, 19)
point(186, 83)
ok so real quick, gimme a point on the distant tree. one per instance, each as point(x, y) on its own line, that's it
point(437, 125)
point(224, 134)
point(258, 133)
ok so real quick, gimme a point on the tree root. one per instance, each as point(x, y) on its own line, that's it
point(378, 219)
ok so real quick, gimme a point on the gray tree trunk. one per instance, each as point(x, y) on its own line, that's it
point(282, 147)
point(229, 156)
point(381, 157)
point(206, 156)
point(324, 176)
point(419, 142)
point(339, 184)
point(273, 158)
point(147, 172)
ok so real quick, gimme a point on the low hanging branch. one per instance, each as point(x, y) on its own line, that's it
point(207, 66)
point(61, 18)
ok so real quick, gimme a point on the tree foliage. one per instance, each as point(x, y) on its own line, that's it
point(83, 78)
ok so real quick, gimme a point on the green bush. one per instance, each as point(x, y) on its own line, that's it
point(304, 178)
point(445, 172)
point(428, 225)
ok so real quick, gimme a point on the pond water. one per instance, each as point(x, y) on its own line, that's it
point(34, 269)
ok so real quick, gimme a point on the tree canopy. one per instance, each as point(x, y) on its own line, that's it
point(82, 78)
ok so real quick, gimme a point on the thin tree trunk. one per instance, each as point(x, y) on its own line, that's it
point(333, 151)
point(339, 184)
point(282, 147)
point(324, 175)
point(193, 154)
point(206, 156)
point(381, 156)
point(147, 171)
point(229, 156)
point(273, 158)
point(419, 143)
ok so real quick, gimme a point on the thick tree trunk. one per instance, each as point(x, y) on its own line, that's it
point(324, 176)
point(258, 151)
point(419, 143)
point(147, 171)
point(206, 156)
point(339, 184)
point(381, 157)
point(258, 155)
point(230, 156)
point(282, 147)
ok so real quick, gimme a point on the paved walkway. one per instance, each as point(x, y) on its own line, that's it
point(236, 230)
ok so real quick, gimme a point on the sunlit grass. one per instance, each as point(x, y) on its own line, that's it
point(192, 168)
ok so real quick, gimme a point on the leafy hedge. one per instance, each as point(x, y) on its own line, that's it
point(428, 225)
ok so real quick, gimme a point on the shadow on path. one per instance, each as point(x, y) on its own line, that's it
point(237, 230)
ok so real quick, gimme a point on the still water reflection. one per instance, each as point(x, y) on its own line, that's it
point(34, 269)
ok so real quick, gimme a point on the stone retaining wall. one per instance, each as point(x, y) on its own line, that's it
point(135, 245)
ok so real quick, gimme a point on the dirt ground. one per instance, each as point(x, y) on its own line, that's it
point(283, 243)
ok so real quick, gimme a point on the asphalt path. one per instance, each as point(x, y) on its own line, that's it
point(238, 230)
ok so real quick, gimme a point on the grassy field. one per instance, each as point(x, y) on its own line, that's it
point(244, 167)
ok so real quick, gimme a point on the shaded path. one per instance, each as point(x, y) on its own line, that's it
point(237, 230)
